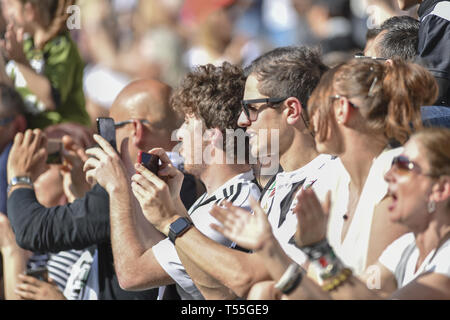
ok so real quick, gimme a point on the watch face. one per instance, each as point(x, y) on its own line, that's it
point(179, 225)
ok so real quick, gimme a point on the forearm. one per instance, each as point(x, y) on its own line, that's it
point(14, 263)
point(38, 85)
point(135, 266)
point(210, 288)
point(238, 271)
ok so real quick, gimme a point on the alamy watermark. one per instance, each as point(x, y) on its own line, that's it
point(74, 20)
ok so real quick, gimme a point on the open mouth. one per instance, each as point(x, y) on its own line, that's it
point(394, 197)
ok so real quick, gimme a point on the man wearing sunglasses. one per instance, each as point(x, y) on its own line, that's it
point(144, 120)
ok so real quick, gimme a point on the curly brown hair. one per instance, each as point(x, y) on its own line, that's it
point(212, 94)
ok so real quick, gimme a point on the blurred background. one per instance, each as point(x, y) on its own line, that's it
point(123, 40)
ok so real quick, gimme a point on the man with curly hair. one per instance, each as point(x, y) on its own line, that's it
point(209, 98)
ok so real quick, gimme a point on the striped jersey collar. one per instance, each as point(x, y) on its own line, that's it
point(227, 191)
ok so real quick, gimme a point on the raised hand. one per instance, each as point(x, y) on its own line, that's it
point(250, 231)
point(312, 218)
point(28, 155)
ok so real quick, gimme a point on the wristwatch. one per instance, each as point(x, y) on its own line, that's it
point(15, 181)
point(179, 227)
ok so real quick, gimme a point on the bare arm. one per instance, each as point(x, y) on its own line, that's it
point(14, 258)
point(238, 270)
point(135, 264)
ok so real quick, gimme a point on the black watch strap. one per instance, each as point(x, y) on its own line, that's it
point(179, 227)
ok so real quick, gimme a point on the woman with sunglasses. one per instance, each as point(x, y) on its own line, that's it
point(415, 266)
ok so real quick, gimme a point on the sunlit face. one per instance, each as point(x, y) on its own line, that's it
point(190, 134)
point(410, 189)
point(262, 131)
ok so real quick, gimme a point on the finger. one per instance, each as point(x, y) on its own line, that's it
point(169, 171)
point(23, 287)
point(27, 138)
point(104, 145)
point(138, 193)
point(29, 280)
point(219, 213)
point(220, 229)
point(97, 153)
point(24, 295)
point(91, 164)
point(150, 176)
point(327, 204)
point(90, 177)
point(161, 153)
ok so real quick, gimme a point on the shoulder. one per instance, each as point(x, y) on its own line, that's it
point(441, 261)
point(391, 256)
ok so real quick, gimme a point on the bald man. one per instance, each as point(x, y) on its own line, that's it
point(85, 223)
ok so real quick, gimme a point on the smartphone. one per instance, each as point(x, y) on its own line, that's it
point(39, 273)
point(107, 130)
point(150, 161)
point(55, 150)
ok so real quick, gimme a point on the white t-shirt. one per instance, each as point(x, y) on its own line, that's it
point(282, 219)
point(353, 250)
point(403, 254)
point(237, 190)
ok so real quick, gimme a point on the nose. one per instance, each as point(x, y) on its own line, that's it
point(243, 121)
point(389, 176)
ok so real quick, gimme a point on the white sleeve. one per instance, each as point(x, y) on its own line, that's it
point(167, 256)
point(390, 258)
point(441, 262)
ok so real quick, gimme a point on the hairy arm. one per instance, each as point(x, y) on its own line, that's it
point(135, 264)
point(238, 270)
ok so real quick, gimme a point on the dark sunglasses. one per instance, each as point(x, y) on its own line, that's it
point(254, 115)
point(404, 166)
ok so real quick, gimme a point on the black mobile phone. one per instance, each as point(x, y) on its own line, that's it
point(150, 161)
point(39, 273)
point(107, 130)
point(55, 151)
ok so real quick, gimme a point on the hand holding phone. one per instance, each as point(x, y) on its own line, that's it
point(150, 161)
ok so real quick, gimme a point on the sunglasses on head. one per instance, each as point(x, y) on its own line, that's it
point(404, 165)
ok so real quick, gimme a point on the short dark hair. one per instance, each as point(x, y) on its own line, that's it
point(288, 72)
point(372, 33)
point(11, 102)
point(401, 38)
